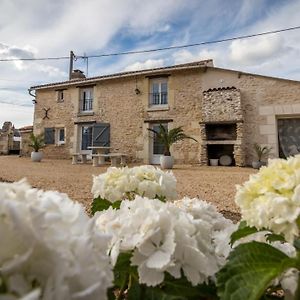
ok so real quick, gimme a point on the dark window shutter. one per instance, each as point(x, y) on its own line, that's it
point(49, 135)
point(101, 135)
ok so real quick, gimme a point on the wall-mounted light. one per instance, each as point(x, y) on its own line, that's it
point(137, 91)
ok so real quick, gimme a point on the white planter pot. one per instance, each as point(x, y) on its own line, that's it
point(214, 162)
point(36, 156)
point(256, 164)
point(166, 162)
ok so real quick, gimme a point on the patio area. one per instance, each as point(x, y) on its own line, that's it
point(213, 184)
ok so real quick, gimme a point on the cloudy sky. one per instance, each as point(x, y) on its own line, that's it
point(47, 28)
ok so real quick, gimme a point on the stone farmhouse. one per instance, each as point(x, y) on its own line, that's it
point(226, 111)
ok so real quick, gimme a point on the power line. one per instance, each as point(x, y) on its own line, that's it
point(157, 49)
point(195, 44)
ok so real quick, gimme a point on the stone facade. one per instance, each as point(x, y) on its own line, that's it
point(122, 100)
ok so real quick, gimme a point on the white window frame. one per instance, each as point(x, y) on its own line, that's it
point(57, 136)
point(81, 102)
point(159, 81)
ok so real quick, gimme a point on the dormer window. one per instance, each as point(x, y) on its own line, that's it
point(158, 91)
point(86, 100)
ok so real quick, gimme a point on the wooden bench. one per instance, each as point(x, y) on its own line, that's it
point(76, 156)
point(114, 157)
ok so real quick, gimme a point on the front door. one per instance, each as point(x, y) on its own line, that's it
point(156, 148)
point(86, 134)
point(97, 135)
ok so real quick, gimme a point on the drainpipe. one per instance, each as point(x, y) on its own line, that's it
point(33, 95)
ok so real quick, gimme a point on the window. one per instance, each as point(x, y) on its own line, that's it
point(288, 136)
point(60, 96)
point(60, 133)
point(159, 91)
point(86, 100)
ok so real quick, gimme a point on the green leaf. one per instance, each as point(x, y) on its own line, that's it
point(272, 237)
point(136, 291)
point(297, 244)
point(250, 270)
point(183, 288)
point(3, 288)
point(242, 231)
point(123, 269)
point(110, 294)
point(100, 204)
point(161, 198)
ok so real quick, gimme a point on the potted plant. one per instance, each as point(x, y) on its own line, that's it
point(168, 138)
point(36, 142)
point(261, 152)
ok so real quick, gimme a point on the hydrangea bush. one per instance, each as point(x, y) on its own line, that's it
point(49, 247)
point(271, 198)
point(117, 184)
point(270, 203)
point(187, 239)
point(123, 183)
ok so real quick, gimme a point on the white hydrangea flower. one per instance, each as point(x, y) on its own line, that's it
point(271, 198)
point(48, 242)
point(188, 235)
point(123, 183)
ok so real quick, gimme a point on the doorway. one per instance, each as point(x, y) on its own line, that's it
point(156, 148)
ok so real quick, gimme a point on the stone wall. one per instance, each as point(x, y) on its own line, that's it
point(25, 150)
point(7, 138)
point(222, 104)
point(4, 144)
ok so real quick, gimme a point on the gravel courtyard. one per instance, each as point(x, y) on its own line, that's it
point(213, 184)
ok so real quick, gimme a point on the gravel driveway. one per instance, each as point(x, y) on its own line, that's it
point(213, 184)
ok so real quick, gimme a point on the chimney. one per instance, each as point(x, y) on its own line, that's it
point(77, 74)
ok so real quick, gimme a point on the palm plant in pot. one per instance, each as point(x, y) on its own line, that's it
point(261, 152)
point(36, 142)
point(167, 139)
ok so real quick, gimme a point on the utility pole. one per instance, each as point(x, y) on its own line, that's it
point(71, 64)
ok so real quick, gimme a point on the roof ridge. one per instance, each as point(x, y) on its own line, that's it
point(137, 72)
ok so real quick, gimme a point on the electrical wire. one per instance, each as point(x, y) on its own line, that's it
point(156, 49)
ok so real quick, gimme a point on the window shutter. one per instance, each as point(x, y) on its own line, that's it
point(101, 135)
point(49, 135)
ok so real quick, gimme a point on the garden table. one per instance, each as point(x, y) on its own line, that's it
point(99, 150)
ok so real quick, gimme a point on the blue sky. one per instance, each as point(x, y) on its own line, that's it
point(40, 28)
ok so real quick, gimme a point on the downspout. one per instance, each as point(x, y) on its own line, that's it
point(33, 95)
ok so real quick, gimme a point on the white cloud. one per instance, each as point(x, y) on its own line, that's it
point(19, 115)
point(185, 56)
point(148, 64)
point(256, 50)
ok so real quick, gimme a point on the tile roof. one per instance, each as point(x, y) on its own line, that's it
point(197, 64)
point(26, 128)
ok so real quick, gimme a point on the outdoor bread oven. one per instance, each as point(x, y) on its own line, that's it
point(221, 129)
